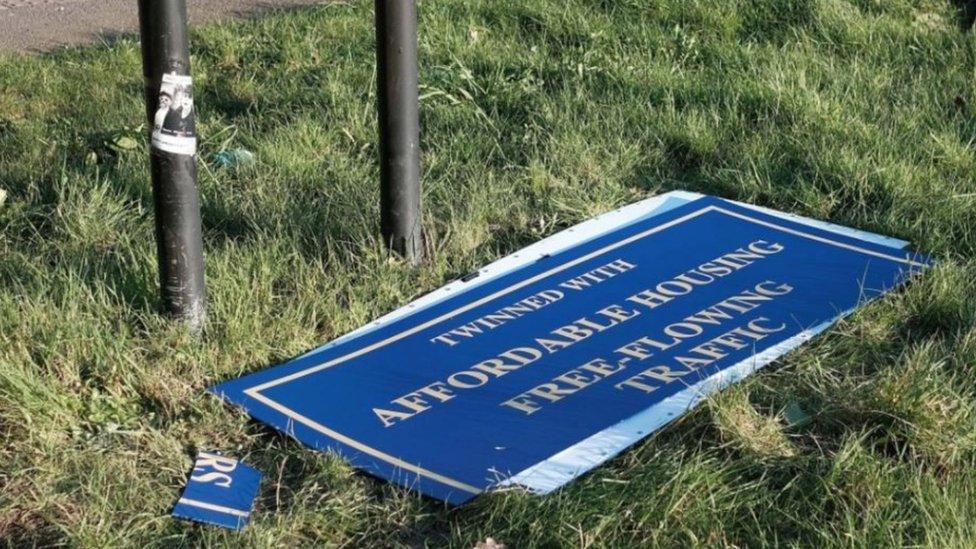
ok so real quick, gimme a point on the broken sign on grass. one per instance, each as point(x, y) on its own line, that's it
point(220, 491)
point(551, 361)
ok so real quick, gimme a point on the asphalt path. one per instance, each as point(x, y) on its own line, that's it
point(44, 25)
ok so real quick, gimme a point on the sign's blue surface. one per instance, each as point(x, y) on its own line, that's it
point(221, 491)
point(561, 364)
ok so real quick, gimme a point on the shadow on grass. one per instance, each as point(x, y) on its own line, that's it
point(967, 13)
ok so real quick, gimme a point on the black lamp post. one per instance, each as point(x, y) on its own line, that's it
point(171, 114)
point(399, 122)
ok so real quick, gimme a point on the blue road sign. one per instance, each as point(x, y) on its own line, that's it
point(220, 491)
point(535, 376)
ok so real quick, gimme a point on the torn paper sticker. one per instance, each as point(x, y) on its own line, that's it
point(174, 126)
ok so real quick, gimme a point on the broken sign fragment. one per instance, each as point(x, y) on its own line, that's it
point(221, 491)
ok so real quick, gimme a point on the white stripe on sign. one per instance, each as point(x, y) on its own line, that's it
point(212, 507)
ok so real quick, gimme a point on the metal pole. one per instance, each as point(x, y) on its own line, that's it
point(171, 113)
point(399, 122)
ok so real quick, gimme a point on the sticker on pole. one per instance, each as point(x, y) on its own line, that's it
point(174, 125)
point(221, 492)
point(554, 360)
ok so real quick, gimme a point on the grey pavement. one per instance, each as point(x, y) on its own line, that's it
point(43, 25)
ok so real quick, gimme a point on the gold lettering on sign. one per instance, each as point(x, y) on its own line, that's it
point(221, 466)
point(563, 386)
point(675, 335)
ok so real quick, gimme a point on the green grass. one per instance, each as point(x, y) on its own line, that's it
point(537, 114)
